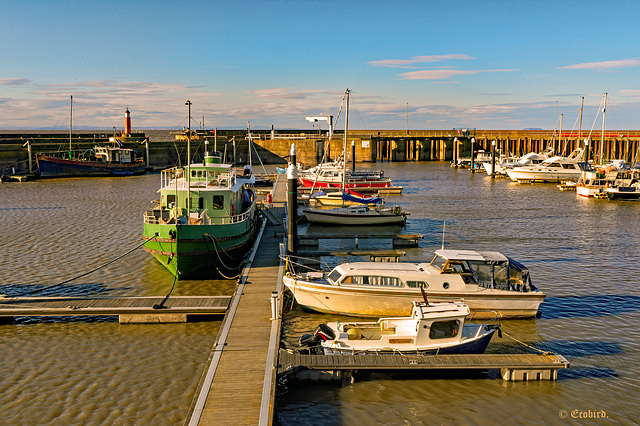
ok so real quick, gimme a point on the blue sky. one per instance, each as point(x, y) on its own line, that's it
point(470, 64)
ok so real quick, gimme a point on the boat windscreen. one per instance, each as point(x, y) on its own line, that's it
point(334, 276)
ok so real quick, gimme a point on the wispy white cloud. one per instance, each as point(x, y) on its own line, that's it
point(632, 93)
point(444, 74)
point(278, 93)
point(14, 81)
point(406, 63)
point(624, 63)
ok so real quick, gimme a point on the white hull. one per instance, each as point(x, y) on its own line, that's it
point(521, 174)
point(376, 302)
point(342, 217)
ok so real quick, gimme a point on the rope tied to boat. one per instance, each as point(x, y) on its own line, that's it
point(89, 272)
point(529, 346)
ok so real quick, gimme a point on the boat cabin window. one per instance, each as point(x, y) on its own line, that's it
point(372, 280)
point(334, 276)
point(554, 165)
point(444, 329)
point(417, 284)
point(483, 272)
point(200, 203)
point(218, 202)
point(171, 201)
point(569, 166)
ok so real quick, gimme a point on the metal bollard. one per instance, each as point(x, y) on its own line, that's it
point(274, 305)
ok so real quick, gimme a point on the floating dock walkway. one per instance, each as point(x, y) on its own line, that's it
point(151, 309)
point(341, 367)
point(239, 383)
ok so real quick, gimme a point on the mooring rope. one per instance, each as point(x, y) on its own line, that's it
point(87, 273)
point(529, 346)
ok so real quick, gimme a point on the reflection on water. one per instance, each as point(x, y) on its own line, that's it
point(584, 254)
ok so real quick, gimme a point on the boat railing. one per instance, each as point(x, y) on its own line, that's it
point(493, 322)
point(154, 217)
point(292, 261)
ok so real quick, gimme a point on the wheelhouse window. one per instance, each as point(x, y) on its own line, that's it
point(171, 201)
point(218, 202)
point(417, 284)
point(444, 329)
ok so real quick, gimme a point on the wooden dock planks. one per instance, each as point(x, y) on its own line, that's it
point(291, 362)
point(233, 387)
point(56, 306)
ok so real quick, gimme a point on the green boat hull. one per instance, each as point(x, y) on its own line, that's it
point(200, 251)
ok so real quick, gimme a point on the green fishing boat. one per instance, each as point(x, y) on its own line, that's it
point(205, 220)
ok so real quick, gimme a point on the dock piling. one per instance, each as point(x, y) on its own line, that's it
point(292, 203)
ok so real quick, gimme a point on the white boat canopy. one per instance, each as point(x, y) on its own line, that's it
point(483, 256)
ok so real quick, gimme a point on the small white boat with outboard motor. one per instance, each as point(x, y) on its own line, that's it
point(432, 329)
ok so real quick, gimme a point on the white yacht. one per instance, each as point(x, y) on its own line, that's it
point(507, 163)
point(554, 169)
point(486, 281)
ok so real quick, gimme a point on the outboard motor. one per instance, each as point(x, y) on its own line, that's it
point(323, 333)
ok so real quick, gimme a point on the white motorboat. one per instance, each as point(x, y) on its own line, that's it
point(554, 169)
point(626, 186)
point(432, 328)
point(357, 215)
point(526, 160)
point(486, 281)
point(595, 179)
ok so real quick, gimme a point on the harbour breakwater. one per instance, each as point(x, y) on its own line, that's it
point(164, 148)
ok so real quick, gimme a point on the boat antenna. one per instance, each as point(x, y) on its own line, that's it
point(444, 225)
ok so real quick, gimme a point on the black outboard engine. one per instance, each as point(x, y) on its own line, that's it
point(310, 343)
point(323, 333)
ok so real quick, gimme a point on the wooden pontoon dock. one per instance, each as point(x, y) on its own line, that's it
point(341, 367)
point(150, 309)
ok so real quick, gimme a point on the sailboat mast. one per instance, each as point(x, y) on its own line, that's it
point(70, 122)
point(604, 113)
point(580, 124)
point(188, 103)
point(344, 148)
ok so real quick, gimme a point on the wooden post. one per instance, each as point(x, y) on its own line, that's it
point(292, 203)
point(493, 158)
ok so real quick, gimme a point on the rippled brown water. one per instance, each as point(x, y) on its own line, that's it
point(584, 254)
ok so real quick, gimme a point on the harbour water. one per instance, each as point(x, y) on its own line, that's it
point(583, 253)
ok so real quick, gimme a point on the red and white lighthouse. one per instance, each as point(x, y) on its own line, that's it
point(127, 122)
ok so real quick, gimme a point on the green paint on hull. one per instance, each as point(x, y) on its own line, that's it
point(200, 251)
